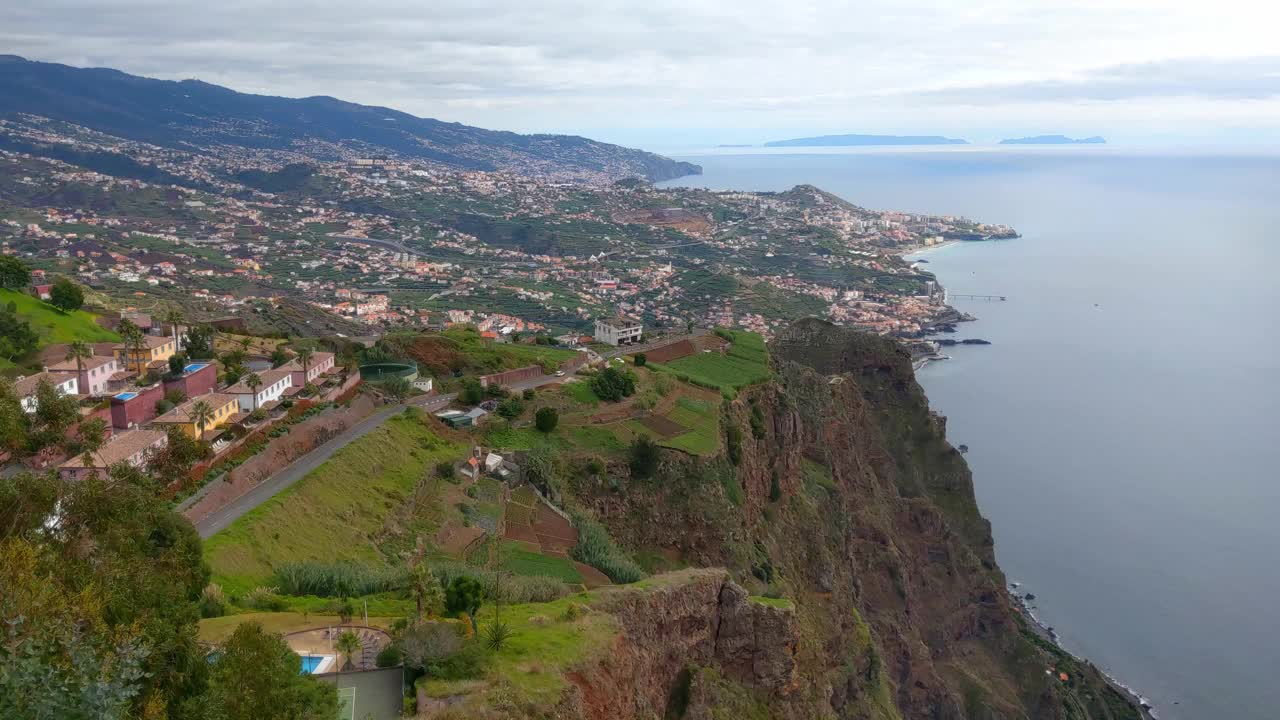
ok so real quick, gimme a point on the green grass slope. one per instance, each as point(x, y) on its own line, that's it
point(53, 326)
point(333, 512)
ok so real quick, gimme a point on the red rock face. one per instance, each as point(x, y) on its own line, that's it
point(854, 503)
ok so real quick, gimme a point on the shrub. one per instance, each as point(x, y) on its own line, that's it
point(598, 550)
point(641, 359)
point(613, 384)
point(340, 579)
point(213, 602)
point(733, 439)
point(518, 589)
point(446, 471)
point(265, 598)
point(463, 595)
point(546, 419)
point(644, 457)
point(471, 393)
point(497, 635)
point(511, 408)
point(389, 656)
point(529, 394)
point(573, 612)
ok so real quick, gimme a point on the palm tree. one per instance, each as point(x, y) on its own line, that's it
point(134, 340)
point(245, 343)
point(253, 382)
point(304, 356)
point(201, 415)
point(348, 644)
point(174, 317)
point(79, 351)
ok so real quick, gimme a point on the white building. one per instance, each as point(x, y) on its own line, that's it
point(618, 330)
point(274, 384)
point(320, 363)
point(25, 387)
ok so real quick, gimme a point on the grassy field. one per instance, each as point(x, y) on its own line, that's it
point(543, 646)
point(505, 355)
point(55, 327)
point(216, 630)
point(703, 420)
point(747, 361)
point(516, 559)
point(332, 513)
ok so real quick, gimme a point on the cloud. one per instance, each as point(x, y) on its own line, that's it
point(564, 64)
point(1253, 78)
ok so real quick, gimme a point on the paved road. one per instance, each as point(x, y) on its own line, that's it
point(295, 471)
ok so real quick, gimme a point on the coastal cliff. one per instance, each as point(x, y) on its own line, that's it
point(837, 493)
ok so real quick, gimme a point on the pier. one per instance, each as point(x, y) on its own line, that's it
point(963, 296)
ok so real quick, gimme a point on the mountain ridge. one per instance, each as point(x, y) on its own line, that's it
point(187, 113)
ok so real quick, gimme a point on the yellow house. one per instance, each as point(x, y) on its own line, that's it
point(223, 406)
point(154, 349)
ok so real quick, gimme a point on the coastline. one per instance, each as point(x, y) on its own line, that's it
point(1045, 632)
point(1145, 709)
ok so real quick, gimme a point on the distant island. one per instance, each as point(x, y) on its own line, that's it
point(1054, 140)
point(848, 140)
point(732, 145)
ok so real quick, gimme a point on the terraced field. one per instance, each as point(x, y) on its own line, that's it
point(746, 362)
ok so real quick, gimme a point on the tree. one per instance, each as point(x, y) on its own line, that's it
point(174, 317)
point(305, 353)
point(16, 336)
point(199, 343)
point(256, 678)
point(66, 295)
point(511, 407)
point(426, 643)
point(13, 419)
point(472, 392)
point(173, 462)
point(201, 415)
point(464, 595)
point(279, 357)
point(641, 359)
point(253, 382)
point(398, 388)
point(79, 351)
point(348, 643)
point(644, 457)
point(427, 593)
point(14, 275)
point(93, 435)
point(546, 419)
point(134, 340)
point(613, 384)
point(114, 543)
point(54, 414)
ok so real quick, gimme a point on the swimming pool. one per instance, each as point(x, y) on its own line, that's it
point(126, 396)
point(315, 663)
point(194, 367)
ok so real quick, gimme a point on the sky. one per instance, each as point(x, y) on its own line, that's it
point(669, 74)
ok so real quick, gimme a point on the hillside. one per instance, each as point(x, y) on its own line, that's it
point(53, 326)
point(818, 554)
point(194, 113)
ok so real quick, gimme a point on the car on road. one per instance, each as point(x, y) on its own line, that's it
point(559, 373)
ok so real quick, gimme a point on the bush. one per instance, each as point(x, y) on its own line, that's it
point(389, 656)
point(529, 394)
point(511, 408)
point(517, 589)
point(614, 384)
point(463, 595)
point(471, 393)
point(341, 579)
point(598, 550)
point(644, 457)
point(546, 419)
point(446, 471)
point(573, 612)
point(213, 603)
point(497, 635)
point(641, 359)
point(265, 598)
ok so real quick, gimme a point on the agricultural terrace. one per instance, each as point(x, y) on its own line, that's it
point(745, 362)
point(336, 511)
point(53, 326)
point(462, 348)
point(674, 414)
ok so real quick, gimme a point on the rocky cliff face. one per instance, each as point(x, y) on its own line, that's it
point(846, 498)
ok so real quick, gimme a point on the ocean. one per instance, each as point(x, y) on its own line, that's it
point(1124, 425)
